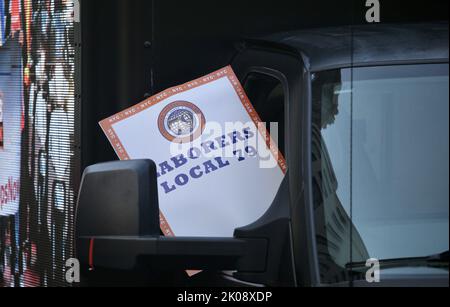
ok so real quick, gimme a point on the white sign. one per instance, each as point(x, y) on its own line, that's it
point(218, 169)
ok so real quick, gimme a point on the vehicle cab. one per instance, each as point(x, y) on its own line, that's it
point(362, 119)
point(363, 116)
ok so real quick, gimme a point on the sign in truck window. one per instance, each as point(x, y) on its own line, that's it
point(218, 168)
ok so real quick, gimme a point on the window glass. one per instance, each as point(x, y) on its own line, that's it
point(267, 96)
point(400, 160)
point(380, 166)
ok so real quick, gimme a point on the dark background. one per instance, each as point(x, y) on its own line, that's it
point(188, 39)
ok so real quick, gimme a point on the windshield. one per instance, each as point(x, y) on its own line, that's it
point(380, 164)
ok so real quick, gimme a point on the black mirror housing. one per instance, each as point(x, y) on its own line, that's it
point(117, 228)
point(118, 199)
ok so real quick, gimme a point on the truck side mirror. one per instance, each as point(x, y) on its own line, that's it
point(117, 227)
point(117, 199)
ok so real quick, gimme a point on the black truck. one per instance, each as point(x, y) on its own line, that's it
point(363, 113)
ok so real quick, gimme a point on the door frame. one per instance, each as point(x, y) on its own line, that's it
point(288, 67)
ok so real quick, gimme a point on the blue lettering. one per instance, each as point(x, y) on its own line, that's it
point(165, 168)
point(196, 172)
point(208, 146)
point(209, 167)
point(222, 141)
point(236, 136)
point(179, 161)
point(194, 153)
point(181, 180)
point(248, 133)
point(222, 163)
point(168, 189)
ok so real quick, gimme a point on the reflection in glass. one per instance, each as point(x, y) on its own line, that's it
point(380, 160)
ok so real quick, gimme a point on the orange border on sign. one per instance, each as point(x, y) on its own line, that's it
point(227, 72)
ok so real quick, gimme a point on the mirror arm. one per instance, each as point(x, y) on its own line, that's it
point(164, 253)
point(117, 227)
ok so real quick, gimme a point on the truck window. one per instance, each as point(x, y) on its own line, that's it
point(381, 167)
point(267, 96)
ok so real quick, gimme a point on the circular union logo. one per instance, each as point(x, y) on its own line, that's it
point(181, 121)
